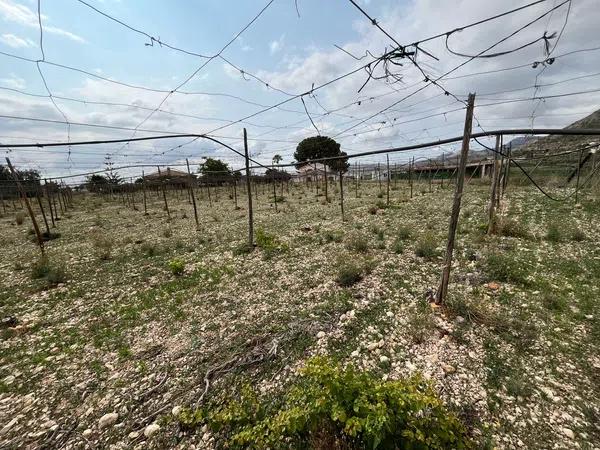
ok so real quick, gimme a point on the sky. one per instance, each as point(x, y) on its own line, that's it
point(271, 52)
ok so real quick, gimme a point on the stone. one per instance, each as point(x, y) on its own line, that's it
point(151, 430)
point(108, 419)
point(176, 410)
point(134, 435)
point(320, 335)
point(459, 320)
point(384, 359)
point(86, 432)
point(8, 426)
point(448, 369)
point(568, 433)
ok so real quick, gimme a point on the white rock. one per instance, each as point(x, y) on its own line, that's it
point(459, 319)
point(87, 432)
point(389, 314)
point(384, 359)
point(176, 410)
point(320, 335)
point(448, 368)
point(354, 354)
point(108, 419)
point(8, 426)
point(568, 433)
point(151, 430)
point(589, 316)
point(134, 435)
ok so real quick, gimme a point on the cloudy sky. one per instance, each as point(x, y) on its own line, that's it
point(292, 49)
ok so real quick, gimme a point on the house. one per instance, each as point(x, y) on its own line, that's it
point(314, 172)
point(167, 174)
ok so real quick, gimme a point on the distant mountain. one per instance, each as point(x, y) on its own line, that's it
point(549, 145)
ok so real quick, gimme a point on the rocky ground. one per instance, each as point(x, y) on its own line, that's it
point(109, 343)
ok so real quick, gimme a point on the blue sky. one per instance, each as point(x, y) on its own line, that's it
point(290, 53)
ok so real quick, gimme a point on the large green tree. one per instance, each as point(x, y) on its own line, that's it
point(214, 169)
point(317, 147)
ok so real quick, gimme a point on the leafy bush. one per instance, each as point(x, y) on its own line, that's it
point(177, 266)
point(243, 249)
point(330, 406)
point(553, 233)
point(103, 246)
point(20, 218)
point(404, 233)
point(268, 243)
point(333, 236)
point(505, 267)
point(150, 249)
point(373, 210)
point(44, 269)
point(426, 246)
point(357, 243)
point(349, 274)
point(578, 235)
point(420, 323)
point(512, 228)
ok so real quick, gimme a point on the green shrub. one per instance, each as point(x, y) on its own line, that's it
point(505, 267)
point(381, 204)
point(398, 246)
point(268, 243)
point(358, 243)
point(243, 249)
point(331, 406)
point(512, 228)
point(349, 274)
point(177, 267)
point(44, 269)
point(19, 218)
point(578, 235)
point(150, 249)
point(426, 246)
point(404, 233)
point(103, 246)
point(333, 236)
point(553, 233)
point(167, 232)
point(380, 195)
point(373, 210)
point(554, 302)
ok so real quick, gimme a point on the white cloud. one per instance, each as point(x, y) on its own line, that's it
point(276, 45)
point(14, 12)
point(14, 82)
point(15, 41)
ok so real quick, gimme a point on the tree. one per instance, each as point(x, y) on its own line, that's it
point(277, 159)
point(279, 175)
point(97, 183)
point(318, 147)
point(214, 170)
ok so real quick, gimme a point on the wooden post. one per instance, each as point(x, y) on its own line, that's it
point(342, 194)
point(47, 192)
point(26, 200)
point(410, 175)
point(494, 190)
point(144, 193)
point(387, 160)
point(577, 182)
point(235, 193)
point(274, 187)
point(39, 200)
point(316, 178)
point(355, 180)
point(440, 297)
point(443, 164)
point(379, 176)
point(162, 185)
point(395, 175)
point(325, 175)
point(249, 191)
point(191, 188)
point(2, 200)
point(507, 171)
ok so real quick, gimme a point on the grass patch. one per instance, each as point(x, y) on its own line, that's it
point(426, 246)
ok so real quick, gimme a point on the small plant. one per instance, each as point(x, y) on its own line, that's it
point(373, 210)
point(512, 228)
point(349, 274)
point(333, 236)
point(243, 249)
point(357, 243)
point(380, 195)
point(19, 218)
point(553, 233)
point(398, 246)
point(404, 233)
point(426, 246)
point(505, 267)
point(381, 204)
point(331, 406)
point(43, 269)
point(167, 232)
point(554, 302)
point(103, 246)
point(149, 249)
point(177, 267)
point(420, 323)
point(578, 235)
point(268, 243)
